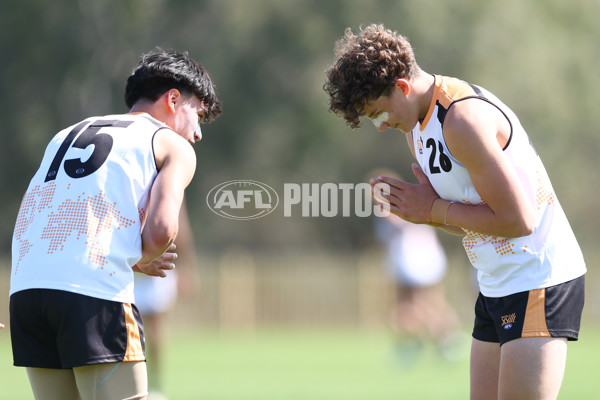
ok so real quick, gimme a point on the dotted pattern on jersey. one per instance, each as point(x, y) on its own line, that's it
point(544, 195)
point(27, 214)
point(502, 246)
point(89, 216)
point(142, 214)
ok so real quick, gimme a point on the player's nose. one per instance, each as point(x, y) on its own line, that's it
point(198, 133)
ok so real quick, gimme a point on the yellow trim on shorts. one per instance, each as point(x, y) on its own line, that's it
point(134, 350)
point(535, 315)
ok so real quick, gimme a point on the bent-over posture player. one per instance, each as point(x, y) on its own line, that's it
point(103, 203)
point(478, 176)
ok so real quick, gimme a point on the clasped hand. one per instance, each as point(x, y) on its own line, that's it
point(160, 265)
point(410, 201)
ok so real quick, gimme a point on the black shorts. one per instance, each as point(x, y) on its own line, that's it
point(59, 329)
point(551, 312)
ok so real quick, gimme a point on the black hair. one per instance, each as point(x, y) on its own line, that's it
point(160, 71)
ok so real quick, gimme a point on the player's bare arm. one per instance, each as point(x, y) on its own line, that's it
point(176, 162)
point(475, 133)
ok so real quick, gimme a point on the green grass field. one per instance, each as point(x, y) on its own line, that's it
point(302, 365)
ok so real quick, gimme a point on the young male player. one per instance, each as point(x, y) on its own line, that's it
point(478, 176)
point(104, 203)
point(155, 298)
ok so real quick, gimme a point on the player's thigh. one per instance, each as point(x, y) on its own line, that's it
point(532, 368)
point(123, 380)
point(485, 366)
point(52, 384)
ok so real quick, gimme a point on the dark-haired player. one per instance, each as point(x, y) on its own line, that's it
point(103, 203)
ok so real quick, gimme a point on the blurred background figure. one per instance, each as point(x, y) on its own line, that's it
point(155, 298)
point(416, 261)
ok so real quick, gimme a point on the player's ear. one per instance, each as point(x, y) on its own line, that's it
point(404, 85)
point(172, 97)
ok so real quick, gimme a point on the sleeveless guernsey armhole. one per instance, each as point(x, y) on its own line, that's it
point(483, 98)
point(152, 144)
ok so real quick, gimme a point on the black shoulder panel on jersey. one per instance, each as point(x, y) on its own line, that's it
point(441, 114)
point(477, 90)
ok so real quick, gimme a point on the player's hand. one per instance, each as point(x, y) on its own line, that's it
point(409, 201)
point(160, 265)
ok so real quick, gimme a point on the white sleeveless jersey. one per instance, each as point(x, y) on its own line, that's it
point(547, 257)
point(79, 225)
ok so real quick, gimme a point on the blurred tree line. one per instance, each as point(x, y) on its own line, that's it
point(64, 60)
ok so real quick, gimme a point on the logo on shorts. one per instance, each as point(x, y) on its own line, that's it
point(507, 320)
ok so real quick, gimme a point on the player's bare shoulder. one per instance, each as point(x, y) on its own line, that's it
point(473, 125)
point(169, 146)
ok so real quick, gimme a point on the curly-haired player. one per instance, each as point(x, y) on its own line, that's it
point(478, 176)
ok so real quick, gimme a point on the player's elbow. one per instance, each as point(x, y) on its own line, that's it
point(521, 225)
point(158, 238)
point(523, 230)
point(164, 237)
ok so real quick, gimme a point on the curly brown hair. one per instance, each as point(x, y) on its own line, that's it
point(368, 65)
